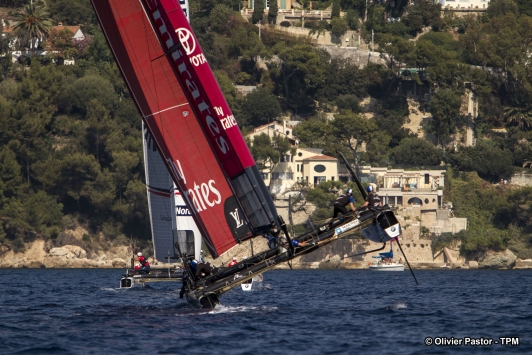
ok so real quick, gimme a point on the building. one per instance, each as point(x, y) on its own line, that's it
point(76, 30)
point(418, 194)
point(273, 129)
point(77, 35)
point(308, 167)
point(463, 4)
point(281, 4)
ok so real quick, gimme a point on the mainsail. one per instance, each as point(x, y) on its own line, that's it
point(228, 201)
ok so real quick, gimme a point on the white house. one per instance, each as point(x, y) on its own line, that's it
point(463, 4)
point(77, 35)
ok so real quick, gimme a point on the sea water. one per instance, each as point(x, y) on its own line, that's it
point(72, 311)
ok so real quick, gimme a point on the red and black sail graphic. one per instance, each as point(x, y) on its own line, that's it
point(172, 122)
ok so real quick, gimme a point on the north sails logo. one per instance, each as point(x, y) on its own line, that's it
point(236, 216)
point(187, 40)
point(183, 211)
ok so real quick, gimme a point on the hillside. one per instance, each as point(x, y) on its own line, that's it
point(70, 135)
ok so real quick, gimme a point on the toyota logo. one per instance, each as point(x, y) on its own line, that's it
point(187, 40)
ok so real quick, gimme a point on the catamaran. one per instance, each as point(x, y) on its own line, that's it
point(204, 151)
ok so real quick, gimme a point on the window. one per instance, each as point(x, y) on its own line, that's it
point(297, 167)
point(299, 154)
point(319, 168)
point(332, 178)
point(427, 179)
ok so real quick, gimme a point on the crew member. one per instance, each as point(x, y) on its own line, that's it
point(233, 262)
point(341, 202)
point(373, 200)
point(144, 264)
point(298, 244)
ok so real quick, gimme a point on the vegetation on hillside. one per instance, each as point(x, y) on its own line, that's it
point(70, 142)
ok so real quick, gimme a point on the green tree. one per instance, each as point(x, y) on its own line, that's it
point(488, 160)
point(272, 12)
point(72, 12)
point(416, 151)
point(35, 22)
point(86, 89)
point(351, 17)
point(444, 106)
point(520, 116)
point(502, 7)
point(267, 152)
point(302, 69)
point(221, 19)
point(258, 12)
point(335, 9)
point(260, 107)
point(338, 26)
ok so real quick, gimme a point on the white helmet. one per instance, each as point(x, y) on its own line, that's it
point(139, 254)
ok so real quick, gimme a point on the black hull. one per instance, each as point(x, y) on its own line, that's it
point(206, 292)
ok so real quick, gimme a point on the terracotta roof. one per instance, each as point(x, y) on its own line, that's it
point(320, 157)
point(72, 29)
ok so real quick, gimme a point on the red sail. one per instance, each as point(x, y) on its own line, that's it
point(172, 122)
point(199, 84)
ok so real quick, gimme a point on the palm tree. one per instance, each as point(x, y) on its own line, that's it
point(522, 116)
point(34, 22)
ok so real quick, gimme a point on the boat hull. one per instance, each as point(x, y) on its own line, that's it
point(387, 267)
point(252, 284)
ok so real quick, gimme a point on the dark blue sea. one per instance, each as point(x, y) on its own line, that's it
point(51, 311)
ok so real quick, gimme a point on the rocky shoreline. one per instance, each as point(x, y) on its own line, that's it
point(71, 256)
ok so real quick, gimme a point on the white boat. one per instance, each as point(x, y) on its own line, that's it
point(381, 266)
point(252, 283)
point(386, 263)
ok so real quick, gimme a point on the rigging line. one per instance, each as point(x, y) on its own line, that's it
point(411, 271)
point(366, 252)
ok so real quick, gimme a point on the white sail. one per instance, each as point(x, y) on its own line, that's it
point(170, 219)
point(186, 233)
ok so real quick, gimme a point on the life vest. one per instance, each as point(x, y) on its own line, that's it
point(143, 261)
point(374, 200)
point(343, 200)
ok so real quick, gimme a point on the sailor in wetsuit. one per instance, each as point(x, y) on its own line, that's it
point(204, 269)
point(341, 202)
point(144, 264)
point(373, 200)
